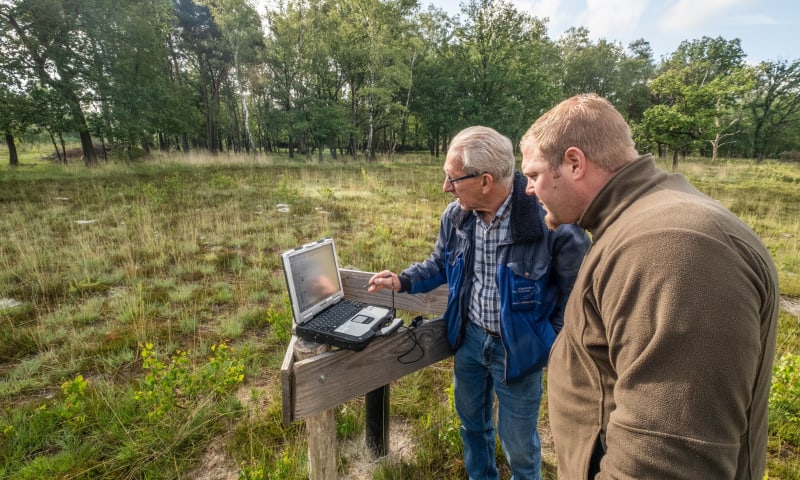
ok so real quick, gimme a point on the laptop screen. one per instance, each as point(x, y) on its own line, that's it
point(314, 276)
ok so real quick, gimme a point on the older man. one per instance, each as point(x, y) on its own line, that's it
point(509, 278)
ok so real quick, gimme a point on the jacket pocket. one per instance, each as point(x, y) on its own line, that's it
point(527, 285)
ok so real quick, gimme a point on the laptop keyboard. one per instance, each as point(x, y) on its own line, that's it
point(331, 318)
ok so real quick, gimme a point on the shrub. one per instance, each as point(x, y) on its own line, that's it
point(176, 382)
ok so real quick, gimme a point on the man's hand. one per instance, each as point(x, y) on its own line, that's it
point(384, 279)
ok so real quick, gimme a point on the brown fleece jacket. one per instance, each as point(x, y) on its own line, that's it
point(666, 354)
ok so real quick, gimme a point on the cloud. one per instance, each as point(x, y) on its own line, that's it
point(755, 19)
point(603, 18)
point(608, 17)
point(554, 10)
point(690, 14)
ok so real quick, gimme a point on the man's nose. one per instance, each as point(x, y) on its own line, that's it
point(529, 188)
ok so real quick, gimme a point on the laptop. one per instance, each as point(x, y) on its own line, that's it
point(321, 313)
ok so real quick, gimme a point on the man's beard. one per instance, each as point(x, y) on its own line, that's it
point(550, 219)
point(551, 223)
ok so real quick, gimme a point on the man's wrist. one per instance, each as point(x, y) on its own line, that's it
point(405, 283)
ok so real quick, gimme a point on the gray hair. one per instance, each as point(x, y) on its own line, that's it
point(484, 150)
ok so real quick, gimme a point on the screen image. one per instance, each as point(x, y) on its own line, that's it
point(315, 276)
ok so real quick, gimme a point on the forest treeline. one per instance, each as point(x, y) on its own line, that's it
point(361, 78)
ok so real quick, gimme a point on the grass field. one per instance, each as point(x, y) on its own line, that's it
point(144, 317)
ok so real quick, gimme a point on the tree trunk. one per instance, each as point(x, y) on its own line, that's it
point(185, 143)
point(715, 148)
point(13, 159)
point(371, 132)
point(63, 147)
point(250, 145)
point(675, 160)
point(55, 147)
point(354, 120)
point(89, 156)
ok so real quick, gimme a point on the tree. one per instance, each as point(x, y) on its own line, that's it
point(496, 53)
point(635, 71)
point(607, 69)
point(369, 50)
point(325, 110)
point(240, 29)
point(201, 41)
point(10, 108)
point(11, 102)
point(774, 105)
point(48, 40)
point(284, 53)
point(699, 84)
point(590, 67)
point(435, 101)
point(138, 97)
point(728, 91)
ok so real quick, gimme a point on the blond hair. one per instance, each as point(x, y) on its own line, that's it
point(588, 122)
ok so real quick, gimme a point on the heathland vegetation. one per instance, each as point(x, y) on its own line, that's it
point(143, 313)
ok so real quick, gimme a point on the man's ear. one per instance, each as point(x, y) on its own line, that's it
point(575, 162)
point(486, 182)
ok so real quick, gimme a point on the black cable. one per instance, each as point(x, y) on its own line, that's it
point(415, 343)
point(394, 312)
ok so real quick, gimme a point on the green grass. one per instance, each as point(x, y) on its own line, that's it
point(145, 316)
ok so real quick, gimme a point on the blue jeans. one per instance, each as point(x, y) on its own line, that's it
point(479, 372)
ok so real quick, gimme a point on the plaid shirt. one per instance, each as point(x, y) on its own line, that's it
point(484, 307)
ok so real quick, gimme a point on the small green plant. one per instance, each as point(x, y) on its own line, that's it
point(153, 194)
point(247, 472)
point(281, 323)
point(327, 193)
point(232, 327)
point(176, 383)
point(784, 398)
point(348, 422)
point(449, 435)
point(222, 371)
point(86, 286)
point(72, 408)
point(223, 182)
point(287, 192)
point(162, 385)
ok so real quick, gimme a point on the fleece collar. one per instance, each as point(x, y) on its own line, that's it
point(526, 216)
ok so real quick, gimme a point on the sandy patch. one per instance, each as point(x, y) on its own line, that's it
point(362, 462)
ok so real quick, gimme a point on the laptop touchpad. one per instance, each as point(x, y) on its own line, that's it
point(358, 325)
point(361, 319)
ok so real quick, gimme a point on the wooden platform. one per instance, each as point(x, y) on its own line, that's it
point(324, 381)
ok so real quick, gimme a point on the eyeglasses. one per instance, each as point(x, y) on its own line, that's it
point(452, 181)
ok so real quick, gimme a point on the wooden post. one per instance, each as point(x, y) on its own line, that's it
point(376, 405)
point(321, 428)
point(314, 380)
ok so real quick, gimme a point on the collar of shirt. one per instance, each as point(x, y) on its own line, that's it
point(499, 216)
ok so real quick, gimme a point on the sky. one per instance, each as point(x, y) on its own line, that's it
point(768, 29)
